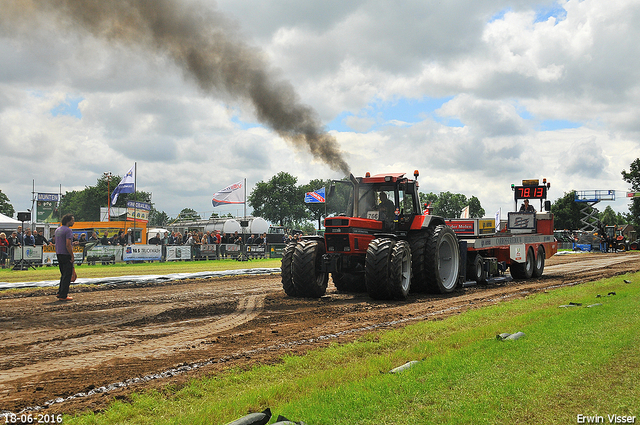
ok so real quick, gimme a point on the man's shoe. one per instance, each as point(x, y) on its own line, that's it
point(65, 299)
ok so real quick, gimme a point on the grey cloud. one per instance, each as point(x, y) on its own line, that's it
point(585, 159)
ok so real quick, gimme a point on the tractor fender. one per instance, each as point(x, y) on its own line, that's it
point(424, 221)
point(313, 238)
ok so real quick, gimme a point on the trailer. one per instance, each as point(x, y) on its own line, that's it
point(522, 253)
point(385, 244)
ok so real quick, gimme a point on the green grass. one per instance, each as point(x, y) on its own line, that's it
point(572, 361)
point(123, 269)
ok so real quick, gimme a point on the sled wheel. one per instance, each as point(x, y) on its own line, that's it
point(523, 270)
point(539, 263)
point(475, 271)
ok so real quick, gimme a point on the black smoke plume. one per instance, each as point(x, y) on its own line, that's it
point(205, 45)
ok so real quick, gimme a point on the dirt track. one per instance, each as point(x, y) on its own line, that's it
point(133, 333)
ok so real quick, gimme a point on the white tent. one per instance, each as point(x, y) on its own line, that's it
point(8, 223)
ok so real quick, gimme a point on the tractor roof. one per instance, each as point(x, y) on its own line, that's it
point(381, 178)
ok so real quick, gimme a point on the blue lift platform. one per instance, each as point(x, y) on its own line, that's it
point(589, 212)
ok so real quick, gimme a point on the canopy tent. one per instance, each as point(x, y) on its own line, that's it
point(8, 223)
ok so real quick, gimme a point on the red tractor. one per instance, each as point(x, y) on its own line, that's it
point(382, 243)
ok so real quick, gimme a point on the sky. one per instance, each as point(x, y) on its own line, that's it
point(475, 95)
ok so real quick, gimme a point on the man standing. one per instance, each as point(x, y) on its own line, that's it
point(28, 239)
point(64, 252)
point(40, 239)
point(525, 207)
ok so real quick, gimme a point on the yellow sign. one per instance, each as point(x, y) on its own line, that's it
point(486, 225)
point(531, 182)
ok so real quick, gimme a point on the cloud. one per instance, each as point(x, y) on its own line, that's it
point(524, 89)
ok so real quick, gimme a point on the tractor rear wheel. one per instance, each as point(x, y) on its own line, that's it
point(523, 270)
point(349, 282)
point(308, 280)
point(286, 271)
point(442, 259)
point(418, 271)
point(388, 269)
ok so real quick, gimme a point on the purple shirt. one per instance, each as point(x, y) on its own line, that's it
point(62, 234)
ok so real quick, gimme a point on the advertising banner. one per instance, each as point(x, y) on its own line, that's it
point(142, 253)
point(138, 210)
point(209, 249)
point(49, 255)
point(31, 253)
point(47, 212)
point(178, 252)
point(104, 253)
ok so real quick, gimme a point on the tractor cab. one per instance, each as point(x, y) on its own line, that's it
point(390, 199)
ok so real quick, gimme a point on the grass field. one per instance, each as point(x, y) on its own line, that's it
point(572, 361)
point(123, 269)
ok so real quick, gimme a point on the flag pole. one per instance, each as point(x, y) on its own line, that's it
point(135, 203)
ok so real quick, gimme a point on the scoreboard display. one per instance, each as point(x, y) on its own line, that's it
point(530, 192)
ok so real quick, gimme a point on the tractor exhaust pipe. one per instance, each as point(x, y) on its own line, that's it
point(356, 185)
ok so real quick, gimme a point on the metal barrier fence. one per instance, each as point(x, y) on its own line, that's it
point(40, 255)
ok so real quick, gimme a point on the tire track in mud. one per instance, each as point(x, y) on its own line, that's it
point(248, 308)
point(273, 325)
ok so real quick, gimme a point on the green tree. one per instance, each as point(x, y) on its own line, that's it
point(157, 218)
point(609, 217)
point(188, 214)
point(450, 205)
point(633, 177)
point(5, 207)
point(427, 199)
point(85, 204)
point(566, 212)
point(316, 211)
point(475, 209)
point(279, 200)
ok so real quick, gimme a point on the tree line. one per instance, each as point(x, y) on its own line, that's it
point(280, 200)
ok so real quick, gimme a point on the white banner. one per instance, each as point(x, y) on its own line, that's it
point(142, 253)
point(178, 252)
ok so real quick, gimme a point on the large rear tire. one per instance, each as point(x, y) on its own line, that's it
point(538, 268)
point(418, 242)
point(308, 280)
point(523, 270)
point(286, 271)
point(442, 259)
point(349, 282)
point(388, 269)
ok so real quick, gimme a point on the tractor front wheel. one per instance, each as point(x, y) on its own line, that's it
point(308, 280)
point(388, 269)
point(286, 271)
